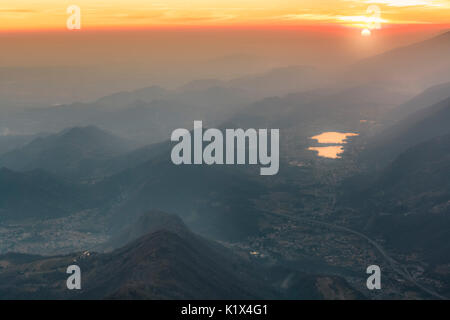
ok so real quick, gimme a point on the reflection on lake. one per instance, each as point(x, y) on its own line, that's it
point(331, 152)
point(333, 137)
point(337, 138)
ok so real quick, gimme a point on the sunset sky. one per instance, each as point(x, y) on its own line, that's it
point(51, 14)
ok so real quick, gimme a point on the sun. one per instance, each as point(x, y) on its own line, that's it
point(366, 33)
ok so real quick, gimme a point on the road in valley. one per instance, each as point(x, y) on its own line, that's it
point(396, 266)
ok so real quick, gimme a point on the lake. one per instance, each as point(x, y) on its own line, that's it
point(332, 152)
point(331, 137)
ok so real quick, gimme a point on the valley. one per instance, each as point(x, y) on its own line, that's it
point(97, 184)
point(302, 228)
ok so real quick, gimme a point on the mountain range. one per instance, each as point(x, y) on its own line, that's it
point(71, 152)
point(419, 126)
point(422, 64)
point(408, 202)
point(230, 233)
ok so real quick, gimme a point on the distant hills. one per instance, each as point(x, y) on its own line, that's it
point(306, 114)
point(122, 99)
point(341, 107)
point(403, 195)
point(420, 126)
point(109, 163)
point(281, 81)
point(427, 98)
point(421, 64)
point(213, 200)
point(275, 82)
point(71, 152)
point(147, 115)
point(10, 142)
point(409, 201)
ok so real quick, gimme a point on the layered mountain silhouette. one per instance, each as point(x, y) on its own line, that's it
point(109, 166)
point(424, 63)
point(427, 98)
point(147, 115)
point(213, 200)
point(333, 110)
point(281, 81)
point(275, 82)
point(408, 204)
point(123, 99)
point(72, 152)
point(12, 142)
point(418, 127)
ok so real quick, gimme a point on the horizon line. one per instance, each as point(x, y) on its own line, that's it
point(183, 27)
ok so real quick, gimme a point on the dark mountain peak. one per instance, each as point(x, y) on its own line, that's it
point(66, 152)
point(159, 265)
point(146, 223)
point(161, 241)
point(167, 265)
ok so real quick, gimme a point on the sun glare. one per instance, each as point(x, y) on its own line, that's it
point(366, 33)
point(28, 14)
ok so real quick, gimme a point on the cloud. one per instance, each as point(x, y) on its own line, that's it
point(7, 10)
point(333, 18)
point(364, 19)
point(211, 18)
point(307, 16)
point(407, 3)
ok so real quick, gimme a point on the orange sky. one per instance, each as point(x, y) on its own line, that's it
point(51, 14)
